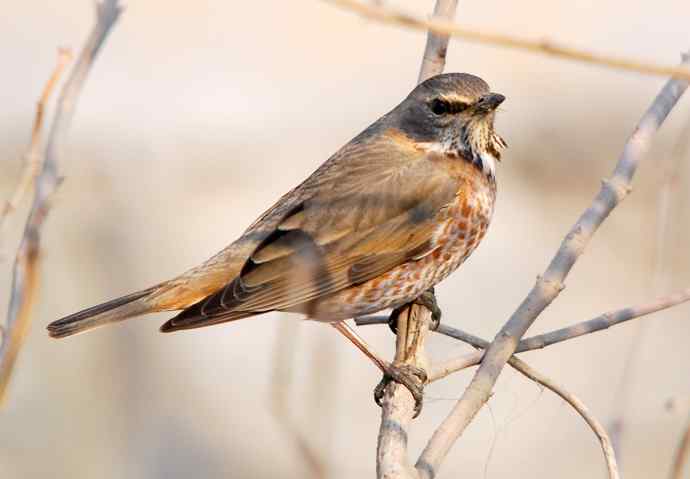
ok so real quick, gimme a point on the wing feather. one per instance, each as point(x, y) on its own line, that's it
point(372, 207)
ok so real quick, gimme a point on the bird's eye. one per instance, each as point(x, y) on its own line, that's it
point(440, 107)
point(459, 106)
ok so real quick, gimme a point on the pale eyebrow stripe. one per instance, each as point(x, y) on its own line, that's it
point(456, 99)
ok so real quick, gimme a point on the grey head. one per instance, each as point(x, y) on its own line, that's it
point(453, 113)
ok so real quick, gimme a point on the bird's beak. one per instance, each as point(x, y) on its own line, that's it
point(490, 101)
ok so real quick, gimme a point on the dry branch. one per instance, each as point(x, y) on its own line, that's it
point(434, 59)
point(529, 372)
point(599, 323)
point(579, 406)
point(25, 273)
point(398, 405)
point(33, 158)
point(12, 337)
point(445, 27)
point(550, 284)
point(24, 267)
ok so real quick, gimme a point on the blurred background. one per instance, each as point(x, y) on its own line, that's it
point(198, 115)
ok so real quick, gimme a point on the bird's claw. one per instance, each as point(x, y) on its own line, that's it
point(428, 300)
point(412, 377)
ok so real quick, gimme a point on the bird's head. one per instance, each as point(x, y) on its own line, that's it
point(454, 113)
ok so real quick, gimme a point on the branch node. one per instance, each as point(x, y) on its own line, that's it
point(618, 187)
point(550, 287)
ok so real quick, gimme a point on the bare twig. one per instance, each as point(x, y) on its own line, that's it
point(570, 398)
point(681, 456)
point(434, 59)
point(398, 405)
point(550, 284)
point(34, 157)
point(529, 372)
point(445, 27)
point(604, 321)
point(599, 323)
point(25, 274)
point(579, 406)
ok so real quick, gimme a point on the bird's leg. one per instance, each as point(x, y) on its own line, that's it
point(412, 377)
point(426, 299)
point(355, 339)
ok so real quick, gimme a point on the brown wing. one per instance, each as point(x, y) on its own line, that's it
point(372, 207)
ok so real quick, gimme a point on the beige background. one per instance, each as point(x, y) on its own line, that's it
point(198, 115)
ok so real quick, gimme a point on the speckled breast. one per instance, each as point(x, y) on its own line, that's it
point(461, 226)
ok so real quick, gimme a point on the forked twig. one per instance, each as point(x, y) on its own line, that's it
point(599, 323)
point(579, 406)
point(529, 372)
point(550, 284)
point(25, 272)
point(33, 158)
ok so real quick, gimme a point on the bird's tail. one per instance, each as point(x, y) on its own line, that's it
point(118, 309)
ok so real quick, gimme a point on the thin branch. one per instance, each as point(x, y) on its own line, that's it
point(681, 456)
point(604, 321)
point(443, 27)
point(550, 284)
point(599, 323)
point(34, 157)
point(434, 59)
point(398, 405)
point(579, 406)
point(529, 372)
point(25, 273)
point(413, 321)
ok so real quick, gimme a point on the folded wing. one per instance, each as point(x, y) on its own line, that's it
point(371, 207)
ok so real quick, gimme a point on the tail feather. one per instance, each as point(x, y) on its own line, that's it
point(115, 310)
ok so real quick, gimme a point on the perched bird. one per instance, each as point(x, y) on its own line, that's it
point(388, 216)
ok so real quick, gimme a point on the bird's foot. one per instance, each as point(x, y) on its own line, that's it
point(412, 377)
point(393, 319)
point(428, 300)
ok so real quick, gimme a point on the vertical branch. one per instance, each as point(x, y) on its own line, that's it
point(398, 405)
point(434, 59)
point(25, 273)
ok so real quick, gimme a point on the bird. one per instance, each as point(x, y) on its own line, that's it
point(383, 220)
